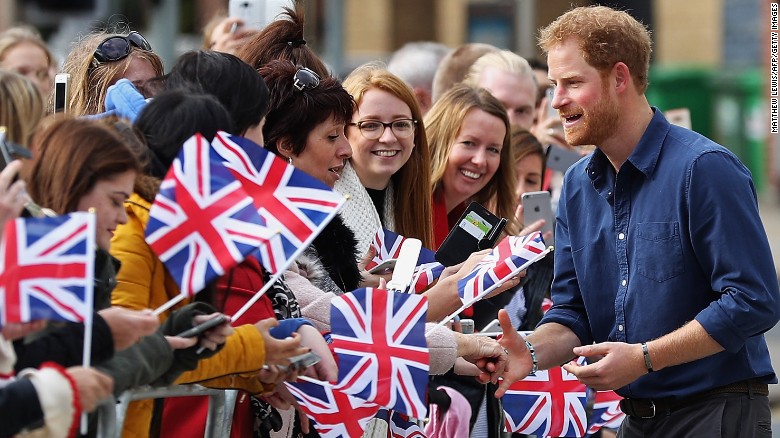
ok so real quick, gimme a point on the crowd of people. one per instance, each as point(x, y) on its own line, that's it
point(651, 280)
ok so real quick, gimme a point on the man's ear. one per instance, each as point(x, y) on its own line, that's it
point(622, 76)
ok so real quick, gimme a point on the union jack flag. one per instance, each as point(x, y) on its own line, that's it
point(387, 245)
point(335, 414)
point(47, 267)
point(400, 425)
point(549, 403)
point(427, 271)
point(379, 337)
point(290, 201)
point(202, 222)
point(510, 256)
point(606, 411)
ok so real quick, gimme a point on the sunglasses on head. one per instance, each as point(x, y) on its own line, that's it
point(305, 79)
point(118, 47)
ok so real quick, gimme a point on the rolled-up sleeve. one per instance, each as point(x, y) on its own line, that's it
point(731, 244)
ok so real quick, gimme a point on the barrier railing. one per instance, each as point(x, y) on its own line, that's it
point(111, 415)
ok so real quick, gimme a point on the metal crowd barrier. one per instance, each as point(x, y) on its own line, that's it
point(111, 415)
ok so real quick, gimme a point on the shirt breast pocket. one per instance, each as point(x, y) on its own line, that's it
point(658, 250)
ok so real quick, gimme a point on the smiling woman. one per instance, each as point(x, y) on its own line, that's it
point(390, 156)
point(468, 131)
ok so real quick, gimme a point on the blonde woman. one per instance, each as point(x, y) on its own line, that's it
point(100, 60)
point(471, 160)
point(23, 51)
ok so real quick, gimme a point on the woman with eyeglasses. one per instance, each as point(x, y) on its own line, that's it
point(388, 175)
point(100, 60)
point(305, 126)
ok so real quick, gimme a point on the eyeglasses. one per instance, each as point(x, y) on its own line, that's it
point(305, 79)
point(373, 129)
point(118, 47)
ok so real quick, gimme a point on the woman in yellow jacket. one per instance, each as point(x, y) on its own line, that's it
point(144, 283)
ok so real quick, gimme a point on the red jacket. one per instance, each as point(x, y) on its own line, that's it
point(186, 416)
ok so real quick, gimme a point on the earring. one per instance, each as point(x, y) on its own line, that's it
point(289, 159)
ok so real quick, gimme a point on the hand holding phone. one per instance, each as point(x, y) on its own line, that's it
point(299, 362)
point(204, 327)
point(476, 229)
point(257, 14)
point(385, 267)
point(538, 205)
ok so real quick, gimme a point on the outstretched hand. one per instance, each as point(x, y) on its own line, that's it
point(519, 364)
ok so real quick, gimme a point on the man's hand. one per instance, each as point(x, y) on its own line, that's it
point(92, 385)
point(621, 364)
point(128, 326)
point(520, 363)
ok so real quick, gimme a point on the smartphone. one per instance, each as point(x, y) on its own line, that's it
point(538, 205)
point(304, 360)
point(551, 112)
point(384, 267)
point(203, 327)
point(11, 151)
point(298, 363)
point(560, 158)
point(493, 328)
point(257, 13)
point(61, 83)
point(477, 229)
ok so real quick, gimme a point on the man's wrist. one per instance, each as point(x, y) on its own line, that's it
point(646, 356)
point(534, 361)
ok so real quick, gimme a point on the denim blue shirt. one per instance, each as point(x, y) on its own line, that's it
point(673, 236)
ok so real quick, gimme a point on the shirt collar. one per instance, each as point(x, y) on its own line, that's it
point(645, 154)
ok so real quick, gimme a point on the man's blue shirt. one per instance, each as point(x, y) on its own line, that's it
point(673, 236)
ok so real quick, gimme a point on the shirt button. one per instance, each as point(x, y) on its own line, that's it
point(624, 282)
point(620, 328)
point(621, 236)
